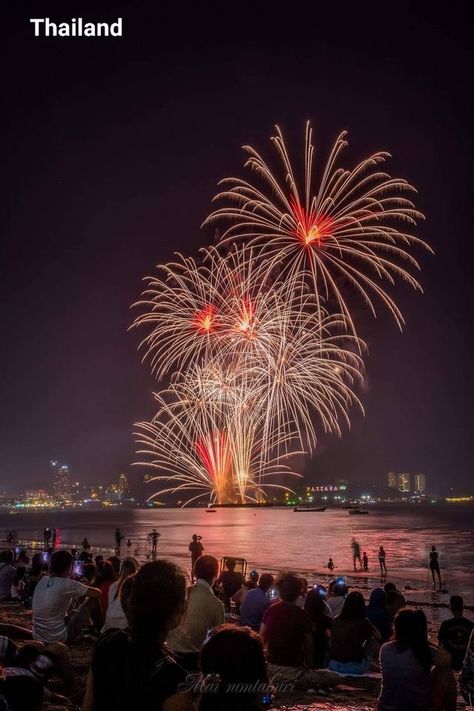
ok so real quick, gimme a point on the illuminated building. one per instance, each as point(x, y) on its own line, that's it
point(123, 483)
point(60, 479)
point(392, 480)
point(404, 482)
point(419, 483)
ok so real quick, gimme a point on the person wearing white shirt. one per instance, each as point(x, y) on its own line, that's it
point(115, 616)
point(203, 612)
point(52, 599)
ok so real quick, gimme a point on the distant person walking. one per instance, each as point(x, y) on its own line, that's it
point(383, 567)
point(118, 538)
point(365, 561)
point(153, 536)
point(46, 537)
point(196, 549)
point(434, 566)
point(356, 554)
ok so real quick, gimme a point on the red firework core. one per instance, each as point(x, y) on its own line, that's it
point(245, 322)
point(204, 319)
point(310, 227)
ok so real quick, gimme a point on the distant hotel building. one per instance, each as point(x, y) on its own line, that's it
point(420, 483)
point(403, 482)
point(60, 480)
point(392, 480)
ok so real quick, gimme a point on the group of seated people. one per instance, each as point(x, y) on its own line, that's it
point(164, 645)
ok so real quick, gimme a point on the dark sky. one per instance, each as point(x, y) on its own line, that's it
point(111, 150)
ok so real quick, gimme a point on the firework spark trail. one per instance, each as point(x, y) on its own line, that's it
point(224, 462)
point(349, 227)
point(256, 338)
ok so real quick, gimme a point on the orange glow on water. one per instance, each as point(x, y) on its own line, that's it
point(310, 227)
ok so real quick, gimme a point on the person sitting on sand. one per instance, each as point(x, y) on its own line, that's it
point(149, 677)
point(233, 661)
point(203, 612)
point(7, 574)
point(407, 681)
point(286, 629)
point(466, 677)
point(103, 580)
point(330, 564)
point(337, 592)
point(394, 602)
point(317, 609)
point(256, 602)
point(115, 616)
point(231, 581)
point(352, 638)
point(18, 585)
point(454, 634)
point(248, 585)
point(378, 614)
point(52, 598)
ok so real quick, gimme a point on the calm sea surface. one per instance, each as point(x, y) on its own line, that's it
point(276, 538)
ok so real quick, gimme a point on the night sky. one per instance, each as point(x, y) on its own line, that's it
point(111, 151)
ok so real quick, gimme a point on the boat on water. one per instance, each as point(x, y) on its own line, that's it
point(304, 509)
point(358, 512)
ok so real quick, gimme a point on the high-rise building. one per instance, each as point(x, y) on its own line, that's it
point(404, 482)
point(123, 483)
point(60, 479)
point(392, 480)
point(419, 483)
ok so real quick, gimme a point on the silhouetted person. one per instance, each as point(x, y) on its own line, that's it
point(118, 538)
point(454, 634)
point(330, 564)
point(196, 549)
point(383, 567)
point(365, 561)
point(153, 536)
point(434, 566)
point(54, 537)
point(46, 536)
point(356, 554)
point(231, 581)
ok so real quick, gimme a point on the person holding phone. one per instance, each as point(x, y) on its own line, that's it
point(52, 599)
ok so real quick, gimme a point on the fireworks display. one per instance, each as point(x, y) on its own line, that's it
point(255, 337)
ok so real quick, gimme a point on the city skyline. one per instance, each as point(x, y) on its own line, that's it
point(93, 207)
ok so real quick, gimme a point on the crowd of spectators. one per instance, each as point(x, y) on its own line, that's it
point(222, 642)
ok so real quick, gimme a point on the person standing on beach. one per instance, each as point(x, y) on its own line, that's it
point(356, 554)
point(153, 536)
point(196, 549)
point(383, 567)
point(434, 566)
point(118, 538)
